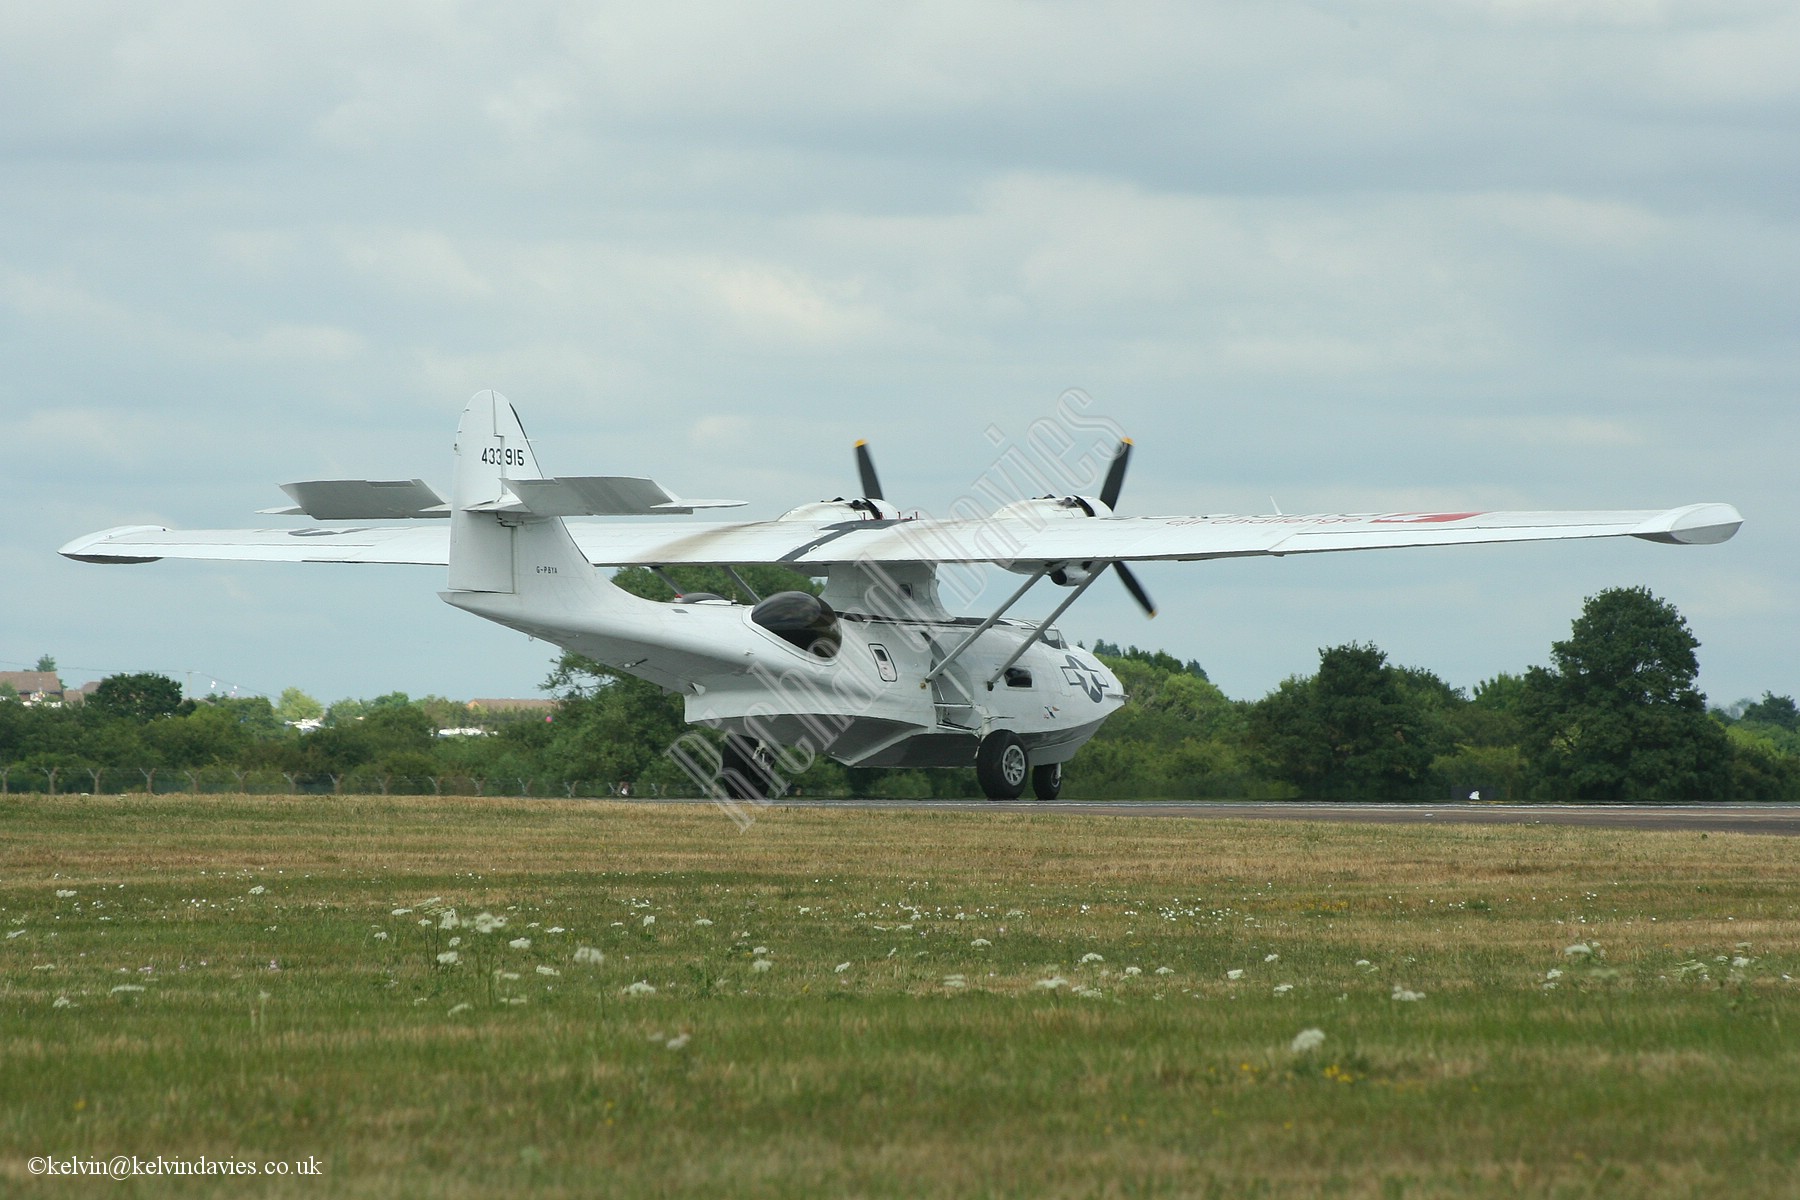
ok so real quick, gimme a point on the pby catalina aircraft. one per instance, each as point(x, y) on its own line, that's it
point(872, 672)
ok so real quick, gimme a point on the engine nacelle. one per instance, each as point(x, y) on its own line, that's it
point(841, 509)
point(1056, 508)
point(1071, 574)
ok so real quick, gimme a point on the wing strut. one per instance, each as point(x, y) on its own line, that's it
point(984, 627)
point(739, 580)
point(1038, 633)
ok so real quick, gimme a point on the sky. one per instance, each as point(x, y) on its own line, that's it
point(1391, 256)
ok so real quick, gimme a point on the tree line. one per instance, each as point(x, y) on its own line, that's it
point(1614, 716)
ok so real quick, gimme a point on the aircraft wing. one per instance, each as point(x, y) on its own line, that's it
point(1008, 540)
point(1020, 540)
point(424, 544)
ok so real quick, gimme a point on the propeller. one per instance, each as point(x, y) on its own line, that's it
point(865, 467)
point(1109, 496)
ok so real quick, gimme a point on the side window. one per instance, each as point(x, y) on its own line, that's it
point(1019, 677)
point(884, 662)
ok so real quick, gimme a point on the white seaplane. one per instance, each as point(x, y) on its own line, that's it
point(873, 671)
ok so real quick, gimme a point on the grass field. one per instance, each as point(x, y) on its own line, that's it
point(888, 1003)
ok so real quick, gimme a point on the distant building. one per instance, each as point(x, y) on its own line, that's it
point(547, 707)
point(35, 687)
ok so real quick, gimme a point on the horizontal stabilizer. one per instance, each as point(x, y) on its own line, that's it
point(361, 500)
point(593, 496)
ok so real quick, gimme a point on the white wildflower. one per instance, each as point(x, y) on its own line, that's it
point(1165, 970)
point(381, 935)
point(841, 968)
point(589, 956)
point(649, 920)
point(1015, 912)
point(1740, 962)
point(1088, 993)
point(1401, 993)
point(258, 890)
point(448, 957)
point(127, 987)
point(464, 1007)
point(760, 951)
point(64, 893)
point(761, 964)
point(487, 922)
point(556, 929)
point(679, 1042)
point(1091, 957)
point(640, 988)
point(1134, 970)
point(1282, 989)
point(1306, 1040)
point(1235, 973)
point(1052, 983)
point(508, 976)
point(1365, 963)
point(515, 999)
point(455, 941)
point(519, 944)
point(1553, 973)
point(1578, 950)
point(955, 981)
point(400, 912)
point(978, 943)
point(60, 1002)
point(1269, 958)
point(448, 919)
point(543, 970)
point(702, 922)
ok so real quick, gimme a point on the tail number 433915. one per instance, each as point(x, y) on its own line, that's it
point(498, 456)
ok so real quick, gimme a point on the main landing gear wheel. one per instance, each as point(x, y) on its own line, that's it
point(1046, 781)
point(1002, 766)
point(746, 769)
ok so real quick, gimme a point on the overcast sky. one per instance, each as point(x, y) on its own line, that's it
point(1348, 257)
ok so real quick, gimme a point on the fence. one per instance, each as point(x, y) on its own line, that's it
point(20, 779)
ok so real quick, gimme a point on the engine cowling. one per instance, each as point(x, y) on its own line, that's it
point(1056, 508)
point(841, 509)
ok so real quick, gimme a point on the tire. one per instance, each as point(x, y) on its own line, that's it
point(1046, 781)
point(1002, 766)
point(744, 770)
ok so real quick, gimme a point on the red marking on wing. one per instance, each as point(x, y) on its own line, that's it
point(1423, 518)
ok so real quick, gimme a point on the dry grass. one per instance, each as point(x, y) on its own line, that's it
point(277, 1024)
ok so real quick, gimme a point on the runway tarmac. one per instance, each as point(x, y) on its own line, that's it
point(1780, 819)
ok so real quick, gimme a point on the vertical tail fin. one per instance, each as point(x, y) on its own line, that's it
point(491, 447)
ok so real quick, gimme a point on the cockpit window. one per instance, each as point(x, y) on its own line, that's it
point(1018, 677)
point(801, 619)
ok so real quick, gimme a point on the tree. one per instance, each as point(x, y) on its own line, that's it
point(295, 706)
point(142, 697)
point(1773, 710)
point(47, 662)
point(1616, 717)
point(1358, 730)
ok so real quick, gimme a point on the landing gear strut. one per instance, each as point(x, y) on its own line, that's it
point(746, 770)
point(1002, 766)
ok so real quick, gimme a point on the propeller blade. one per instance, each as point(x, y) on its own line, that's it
point(1136, 589)
point(865, 467)
point(1115, 475)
